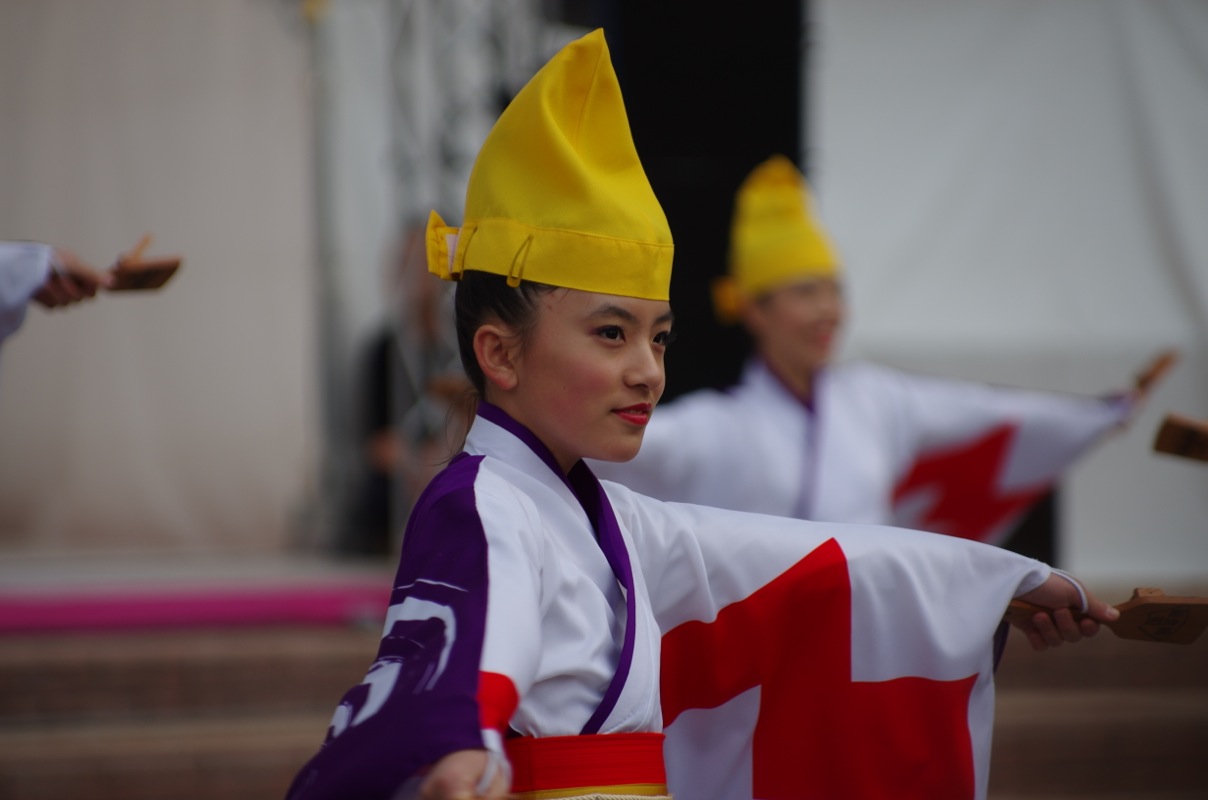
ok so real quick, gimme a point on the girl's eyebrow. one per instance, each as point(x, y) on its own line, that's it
point(610, 310)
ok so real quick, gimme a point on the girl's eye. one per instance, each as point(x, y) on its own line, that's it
point(613, 332)
point(665, 338)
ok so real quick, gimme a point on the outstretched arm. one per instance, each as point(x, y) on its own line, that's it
point(1147, 379)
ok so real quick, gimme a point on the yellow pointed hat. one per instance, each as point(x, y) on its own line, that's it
point(774, 238)
point(557, 194)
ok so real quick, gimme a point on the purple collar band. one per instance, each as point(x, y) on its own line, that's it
point(591, 496)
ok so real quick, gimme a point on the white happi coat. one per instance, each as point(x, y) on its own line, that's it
point(854, 455)
point(23, 269)
point(507, 614)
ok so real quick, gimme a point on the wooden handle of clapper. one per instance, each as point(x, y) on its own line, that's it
point(1182, 436)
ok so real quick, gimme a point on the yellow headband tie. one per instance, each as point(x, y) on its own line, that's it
point(557, 194)
point(775, 238)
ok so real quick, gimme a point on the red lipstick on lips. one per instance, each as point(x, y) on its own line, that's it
point(636, 414)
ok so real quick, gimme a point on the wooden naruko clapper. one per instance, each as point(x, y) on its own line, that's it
point(1150, 615)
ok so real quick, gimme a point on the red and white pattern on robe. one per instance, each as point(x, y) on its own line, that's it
point(980, 485)
point(825, 735)
point(823, 660)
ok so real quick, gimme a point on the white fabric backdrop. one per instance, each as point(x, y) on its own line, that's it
point(183, 420)
point(1018, 190)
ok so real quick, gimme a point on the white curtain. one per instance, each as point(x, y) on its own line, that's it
point(185, 419)
point(1018, 189)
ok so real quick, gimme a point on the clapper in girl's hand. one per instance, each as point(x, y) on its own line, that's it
point(1150, 615)
point(1182, 436)
point(132, 272)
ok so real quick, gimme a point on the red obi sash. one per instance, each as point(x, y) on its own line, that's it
point(569, 766)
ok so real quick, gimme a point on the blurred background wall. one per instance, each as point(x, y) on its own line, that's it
point(185, 420)
point(1015, 189)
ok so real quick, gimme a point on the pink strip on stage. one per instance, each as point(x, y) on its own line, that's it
point(36, 610)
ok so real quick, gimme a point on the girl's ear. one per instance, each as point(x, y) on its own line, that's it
point(494, 347)
point(754, 319)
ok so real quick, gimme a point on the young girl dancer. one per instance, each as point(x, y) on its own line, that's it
point(546, 628)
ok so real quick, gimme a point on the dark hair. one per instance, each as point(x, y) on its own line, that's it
point(483, 297)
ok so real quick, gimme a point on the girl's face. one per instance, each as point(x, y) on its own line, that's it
point(795, 326)
point(588, 374)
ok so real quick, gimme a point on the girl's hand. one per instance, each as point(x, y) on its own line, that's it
point(1075, 612)
point(457, 775)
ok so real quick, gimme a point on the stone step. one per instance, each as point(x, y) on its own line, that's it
point(163, 674)
point(1080, 743)
point(233, 758)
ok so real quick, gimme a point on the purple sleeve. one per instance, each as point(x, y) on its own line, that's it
point(419, 700)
